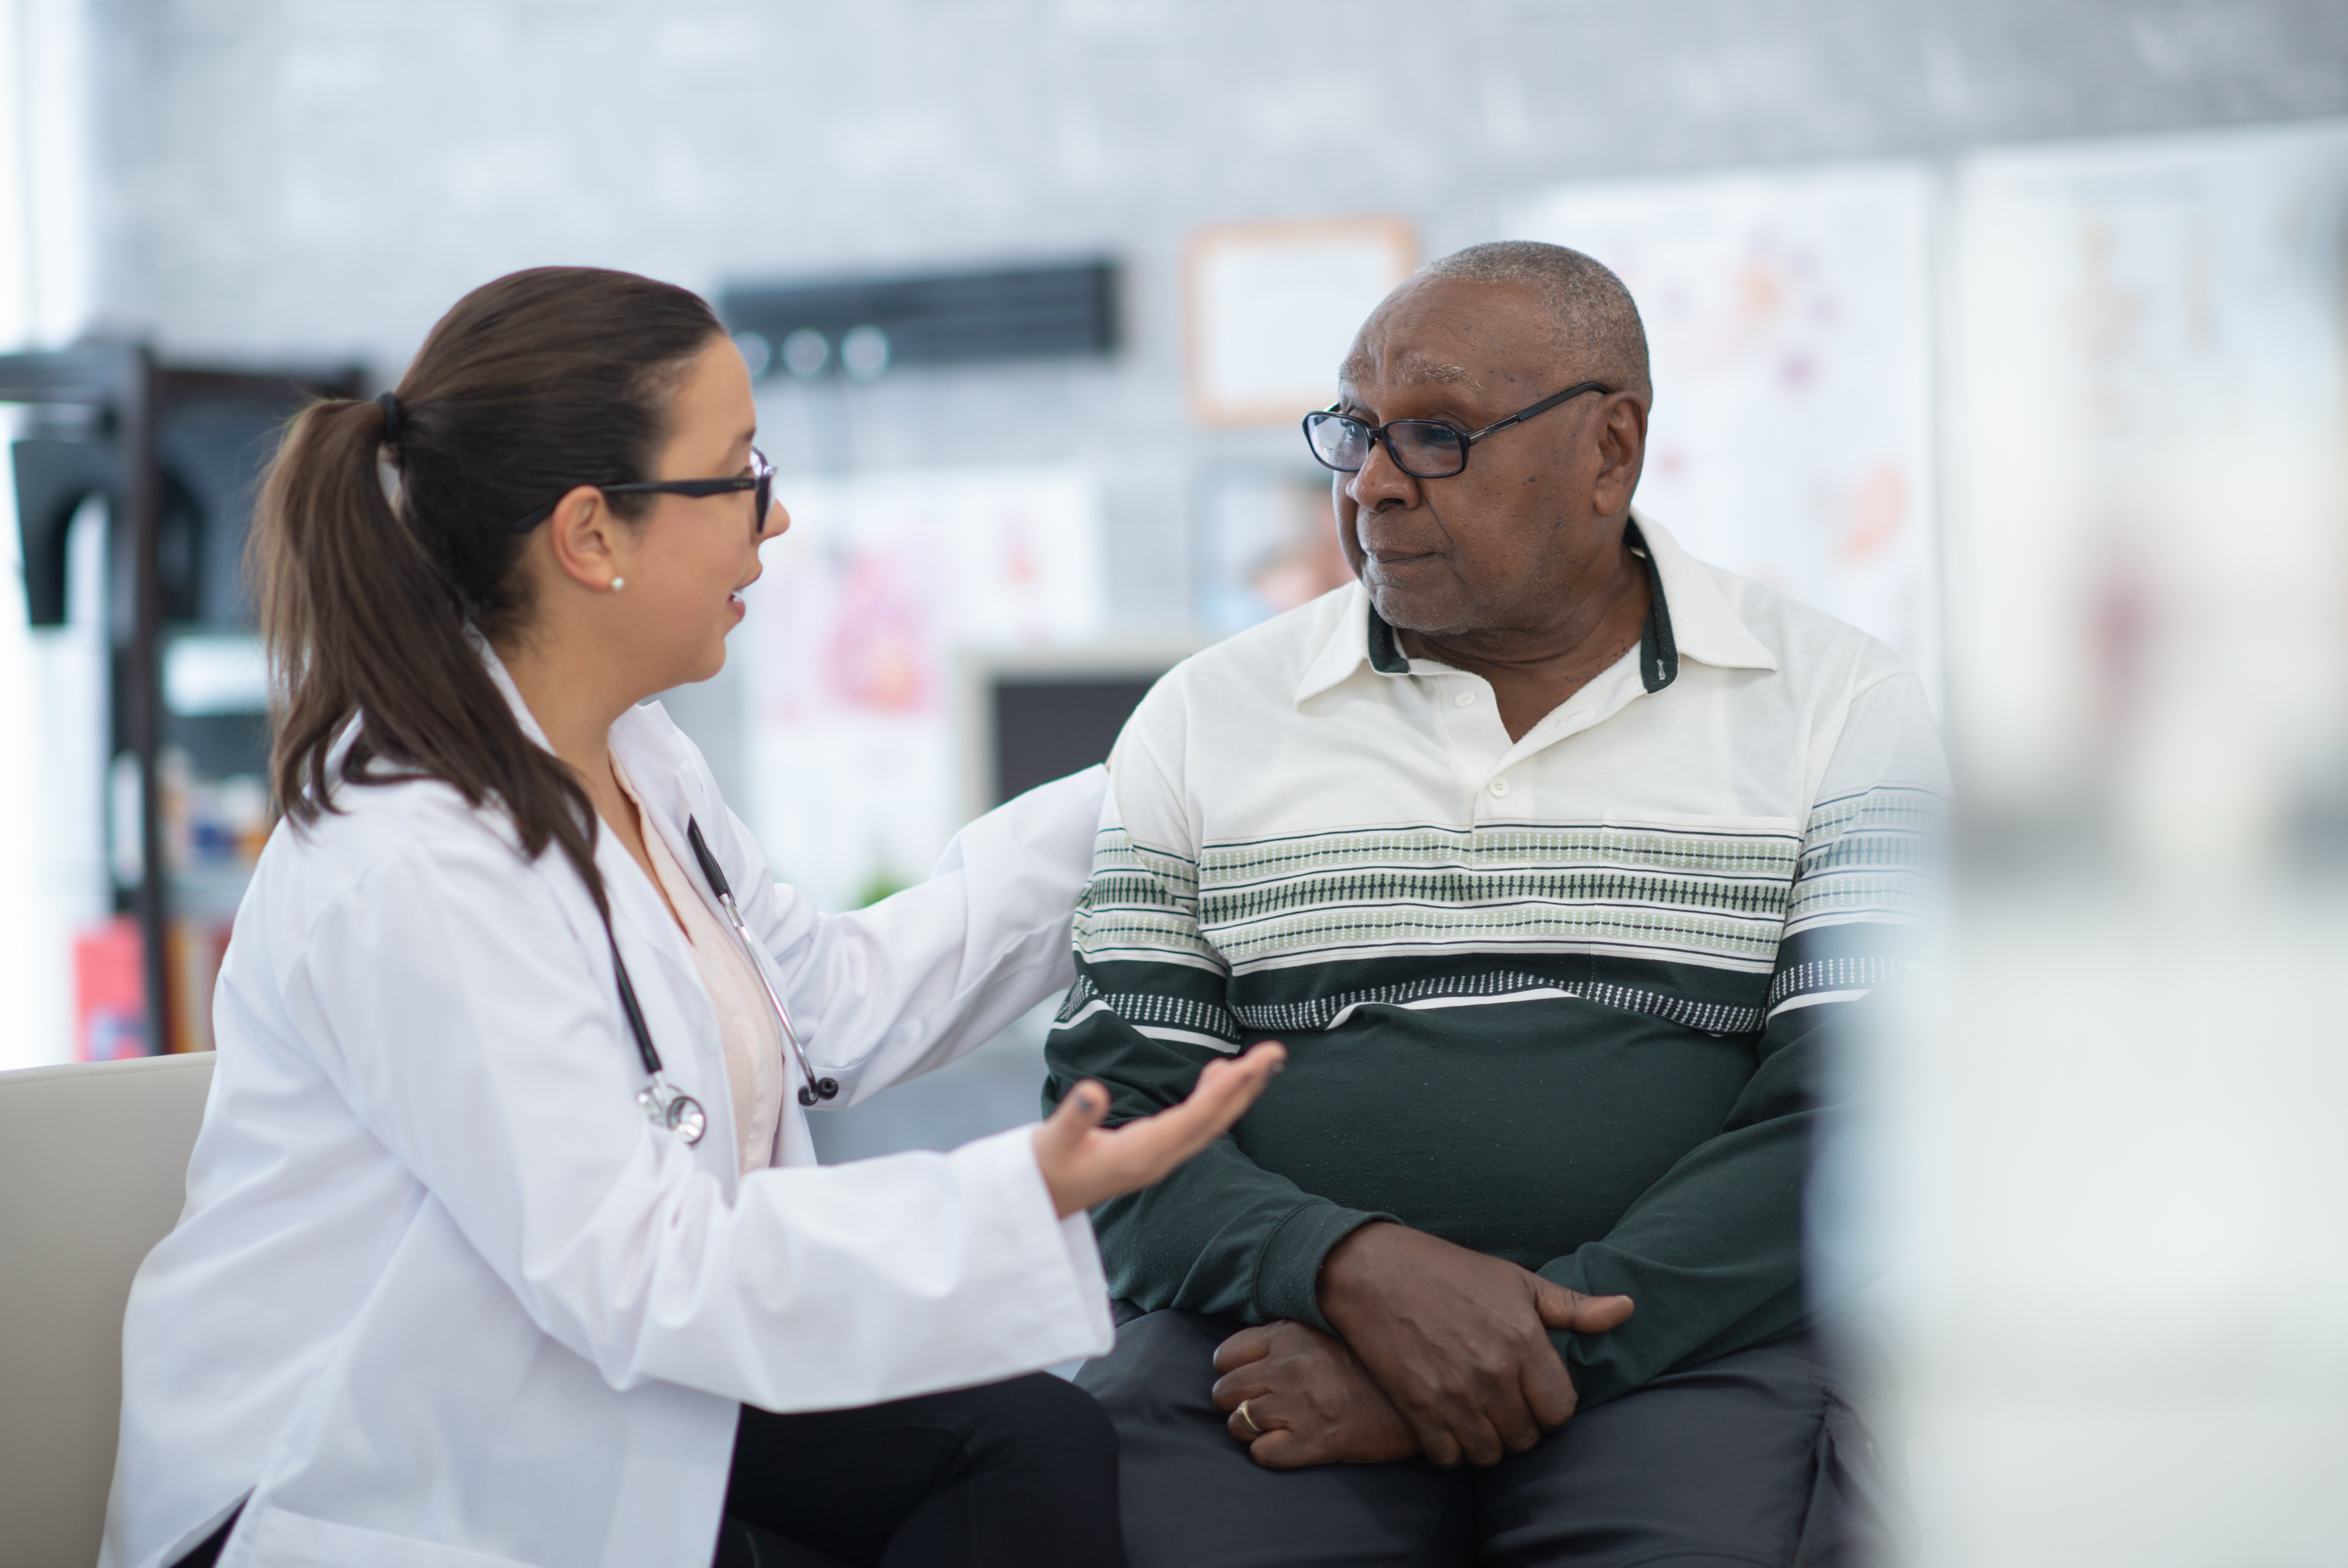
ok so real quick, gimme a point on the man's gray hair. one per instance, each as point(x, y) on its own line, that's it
point(1596, 321)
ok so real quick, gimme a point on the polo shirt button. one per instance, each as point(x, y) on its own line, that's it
point(1466, 699)
point(1499, 786)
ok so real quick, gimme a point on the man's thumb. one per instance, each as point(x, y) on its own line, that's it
point(1578, 1314)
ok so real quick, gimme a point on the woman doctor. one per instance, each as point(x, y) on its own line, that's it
point(504, 1240)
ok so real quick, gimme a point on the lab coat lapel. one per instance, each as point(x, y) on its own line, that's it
point(676, 1006)
point(659, 762)
point(644, 740)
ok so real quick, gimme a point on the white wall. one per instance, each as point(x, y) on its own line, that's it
point(52, 690)
point(291, 178)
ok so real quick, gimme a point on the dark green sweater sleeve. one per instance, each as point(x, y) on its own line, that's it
point(1221, 1236)
point(1712, 1253)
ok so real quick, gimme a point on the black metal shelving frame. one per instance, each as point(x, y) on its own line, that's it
point(130, 390)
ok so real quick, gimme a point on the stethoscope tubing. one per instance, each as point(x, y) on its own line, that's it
point(814, 1088)
point(663, 1103)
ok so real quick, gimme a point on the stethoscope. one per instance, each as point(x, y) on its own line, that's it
point(665, 1105)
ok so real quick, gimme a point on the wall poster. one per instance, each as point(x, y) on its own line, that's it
point(853, 787)
point(1789, 323)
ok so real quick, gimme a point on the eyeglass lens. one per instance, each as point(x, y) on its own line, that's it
point(1422, 448)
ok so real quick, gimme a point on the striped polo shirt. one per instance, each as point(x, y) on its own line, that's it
point(1530, 988)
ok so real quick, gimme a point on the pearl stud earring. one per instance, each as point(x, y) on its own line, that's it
point(618, 583)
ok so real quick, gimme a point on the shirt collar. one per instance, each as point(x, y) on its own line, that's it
point(1688, 617)
point(1702, 624)
point(502, 678)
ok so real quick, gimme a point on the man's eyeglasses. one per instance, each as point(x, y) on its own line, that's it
point(760, 479)
point(1422, 448)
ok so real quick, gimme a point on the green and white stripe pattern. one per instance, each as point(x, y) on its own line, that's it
point(1276, 921)
point(1710, 898)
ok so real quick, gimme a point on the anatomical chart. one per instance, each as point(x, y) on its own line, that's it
point(850, 643)
point(1789, 319)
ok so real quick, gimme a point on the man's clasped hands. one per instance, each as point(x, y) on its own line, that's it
point(1439, 1351)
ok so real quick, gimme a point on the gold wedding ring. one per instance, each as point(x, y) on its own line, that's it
point(1253, 1430)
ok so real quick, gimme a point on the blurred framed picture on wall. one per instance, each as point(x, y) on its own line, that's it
point(1269, 309)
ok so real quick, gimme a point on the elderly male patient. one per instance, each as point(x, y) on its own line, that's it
point(1549, 851)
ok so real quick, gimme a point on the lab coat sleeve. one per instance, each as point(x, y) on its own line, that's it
point(470, 1029)
point(889, 992)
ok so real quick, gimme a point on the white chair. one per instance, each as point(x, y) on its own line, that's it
point(93, 1171)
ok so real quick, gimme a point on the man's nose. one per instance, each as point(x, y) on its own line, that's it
point(1380, 483)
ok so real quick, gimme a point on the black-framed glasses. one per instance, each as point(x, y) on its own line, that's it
point(761, 479)
point(1422, 448)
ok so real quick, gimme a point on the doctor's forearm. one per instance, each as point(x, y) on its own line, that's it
point(915, 981)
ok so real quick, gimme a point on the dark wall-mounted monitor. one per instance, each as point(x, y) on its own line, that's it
point(861, 327)
point(1028, 715)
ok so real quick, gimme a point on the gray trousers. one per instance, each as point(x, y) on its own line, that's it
point(1758, 1458)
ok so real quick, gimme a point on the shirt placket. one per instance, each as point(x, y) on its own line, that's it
point(1467, 721)
point(1490, 764)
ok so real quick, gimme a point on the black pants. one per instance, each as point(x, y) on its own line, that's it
point(1020, 1474)
point(1013, 1475)
point(1756, 1459)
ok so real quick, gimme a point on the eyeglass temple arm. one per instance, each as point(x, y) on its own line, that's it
point(1543, 407)
point(685, 487)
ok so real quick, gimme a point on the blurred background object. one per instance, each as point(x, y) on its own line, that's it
point(1789, 323)
point(2014, 333)
point(154, 465)
point(2148, 404)
point(2112, 1174)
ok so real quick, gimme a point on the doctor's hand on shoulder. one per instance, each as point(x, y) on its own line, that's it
point(1086, 1164)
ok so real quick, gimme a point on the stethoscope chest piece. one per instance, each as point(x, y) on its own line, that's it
point(671, 1108)
point(664, 1105)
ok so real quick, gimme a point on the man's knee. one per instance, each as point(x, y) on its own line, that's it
point(1710, 1465)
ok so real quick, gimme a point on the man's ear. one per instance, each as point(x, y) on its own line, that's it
point(1621, 454)
point(580, 532)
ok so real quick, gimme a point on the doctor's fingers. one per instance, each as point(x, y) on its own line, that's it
point(1225, 1090)
point(1061, 1145)
point(1145, 1150)
point(1080, 1110)
point(1085, 1166)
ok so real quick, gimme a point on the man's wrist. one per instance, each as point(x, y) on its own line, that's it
point(1351, 1272)
point(1288, 1271)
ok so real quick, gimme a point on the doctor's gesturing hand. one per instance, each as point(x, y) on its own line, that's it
point(1086, 1164)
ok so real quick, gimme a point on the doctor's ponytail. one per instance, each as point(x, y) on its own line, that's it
point(383, 532)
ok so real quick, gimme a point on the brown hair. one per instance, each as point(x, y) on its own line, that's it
point(539, 382)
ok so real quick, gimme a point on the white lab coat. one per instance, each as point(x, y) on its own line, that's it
point(442, 1296)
